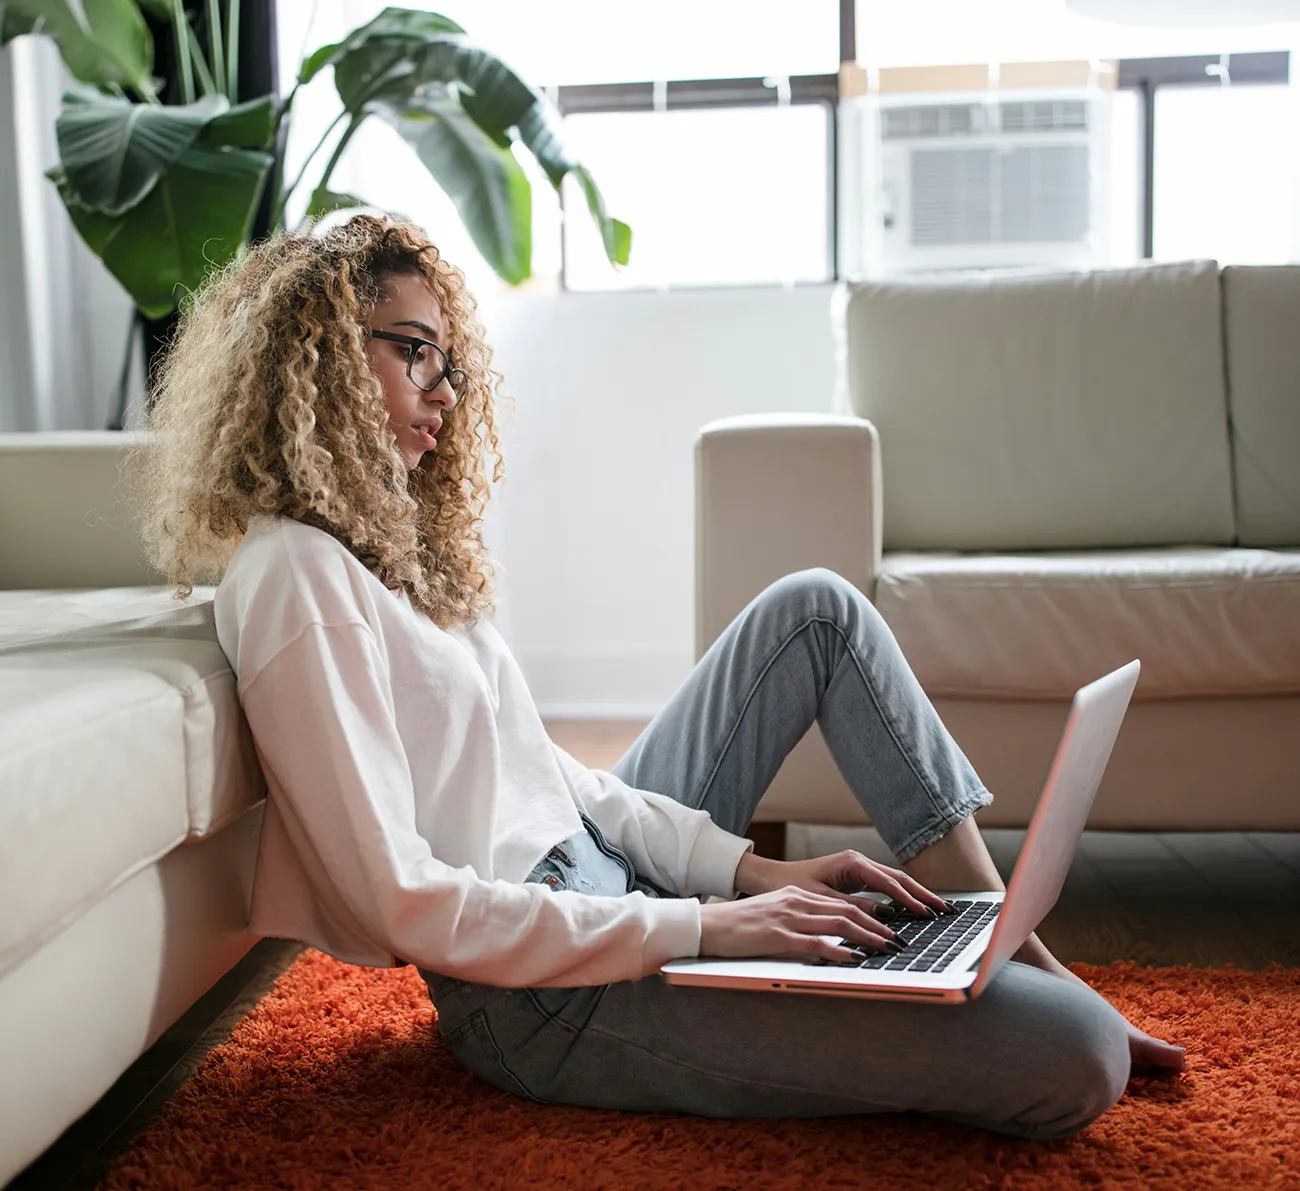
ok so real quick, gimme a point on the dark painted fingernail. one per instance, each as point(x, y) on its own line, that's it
point(892, 947)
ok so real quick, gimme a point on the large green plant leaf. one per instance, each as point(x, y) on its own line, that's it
point(197, 216)
point(399, 27)
point(460, 106)
point(487, 184)
point(384, 69)
point(104, 42)
point(614, 233)
point(248, 125)
point(538, 129)
point(112, 152)
point(378, 69)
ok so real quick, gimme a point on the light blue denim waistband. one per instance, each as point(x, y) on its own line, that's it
point(587, 863)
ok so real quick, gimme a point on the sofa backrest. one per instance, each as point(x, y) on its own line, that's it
point(62, 523)
point(1042, 410)
point(1261, 307)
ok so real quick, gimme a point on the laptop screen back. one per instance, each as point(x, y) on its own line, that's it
point(1086, 742)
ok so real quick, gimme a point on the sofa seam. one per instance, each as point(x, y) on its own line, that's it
point(1229, 425)
point(82, 907)
point(897, 580)
point(191, 795)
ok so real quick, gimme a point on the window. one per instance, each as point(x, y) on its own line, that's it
point(715, 195)
point(1224, 174)
point(717, 131)
point(1191, 154)
point(710, 129)
point(575, 42)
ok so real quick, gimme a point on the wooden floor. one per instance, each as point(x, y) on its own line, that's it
point(1207, 899)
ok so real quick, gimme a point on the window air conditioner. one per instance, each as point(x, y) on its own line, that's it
point(977, 180)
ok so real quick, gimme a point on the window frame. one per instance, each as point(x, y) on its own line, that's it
point(685, 94)
point(1146, 75)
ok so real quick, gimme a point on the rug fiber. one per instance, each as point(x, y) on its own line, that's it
point(338, 1079)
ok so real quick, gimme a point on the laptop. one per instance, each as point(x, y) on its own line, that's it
point(953, 958)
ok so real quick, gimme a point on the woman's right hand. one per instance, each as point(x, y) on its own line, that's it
point(786, 924)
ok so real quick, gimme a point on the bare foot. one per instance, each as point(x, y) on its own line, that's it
point(1145, 1051)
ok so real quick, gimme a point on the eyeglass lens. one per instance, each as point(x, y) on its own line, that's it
point(430, 365)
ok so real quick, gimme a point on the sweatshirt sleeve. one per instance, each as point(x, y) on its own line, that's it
point(322, 716)
point(676, 846)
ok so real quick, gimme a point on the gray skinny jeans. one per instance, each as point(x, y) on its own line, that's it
point(1035, 1056)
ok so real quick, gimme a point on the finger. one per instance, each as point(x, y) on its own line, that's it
point(832, 901)
point(900, 893)
point(810, 947)
point(835, 904)
point(806, 947)
point(841, 926)
point(802, 948)
point(864, 911)
point(920, 891)
point(868, 905)
point(902, 888)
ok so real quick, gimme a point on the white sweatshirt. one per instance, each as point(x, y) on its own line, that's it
point(412, 788)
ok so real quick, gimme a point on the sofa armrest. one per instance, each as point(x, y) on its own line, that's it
point(61, 520)
point(776, 493)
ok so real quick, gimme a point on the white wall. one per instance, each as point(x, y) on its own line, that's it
point(594, 521)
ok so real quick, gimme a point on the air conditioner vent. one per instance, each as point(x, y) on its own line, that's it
point(1031, 195)
point(1044, 115)
point(932, 120)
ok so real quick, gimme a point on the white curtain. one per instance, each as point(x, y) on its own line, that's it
point(63, 317)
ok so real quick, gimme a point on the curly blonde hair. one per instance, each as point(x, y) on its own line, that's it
point(265, 402)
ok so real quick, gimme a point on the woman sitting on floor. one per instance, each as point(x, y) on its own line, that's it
point(321, 422)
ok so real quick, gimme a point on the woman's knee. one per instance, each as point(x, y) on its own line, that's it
point(815, 590)
point(1086, 1061)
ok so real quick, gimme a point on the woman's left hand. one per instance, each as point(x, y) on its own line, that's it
point(839, 875)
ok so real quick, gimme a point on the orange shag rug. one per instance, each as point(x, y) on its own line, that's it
point(339, 1079)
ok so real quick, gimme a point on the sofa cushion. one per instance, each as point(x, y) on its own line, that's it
point(120, 737)
point(1261, 313)
point(1203, 621)
point(78, 532)
point(144, 631)
point(1031, 410)
point(92, 762)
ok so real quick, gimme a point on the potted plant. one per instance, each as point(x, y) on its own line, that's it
point(162, 193)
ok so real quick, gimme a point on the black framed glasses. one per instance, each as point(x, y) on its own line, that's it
point(427, 364)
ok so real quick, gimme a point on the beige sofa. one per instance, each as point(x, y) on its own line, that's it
point(130, 794)
point(1037, 477)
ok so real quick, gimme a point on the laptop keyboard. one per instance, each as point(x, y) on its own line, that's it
point(929, 944)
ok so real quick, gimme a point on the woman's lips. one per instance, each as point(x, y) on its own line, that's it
point(428, 439)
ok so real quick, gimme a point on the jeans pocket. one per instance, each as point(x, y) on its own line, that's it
point(472, 1043)
point(569, 1008)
